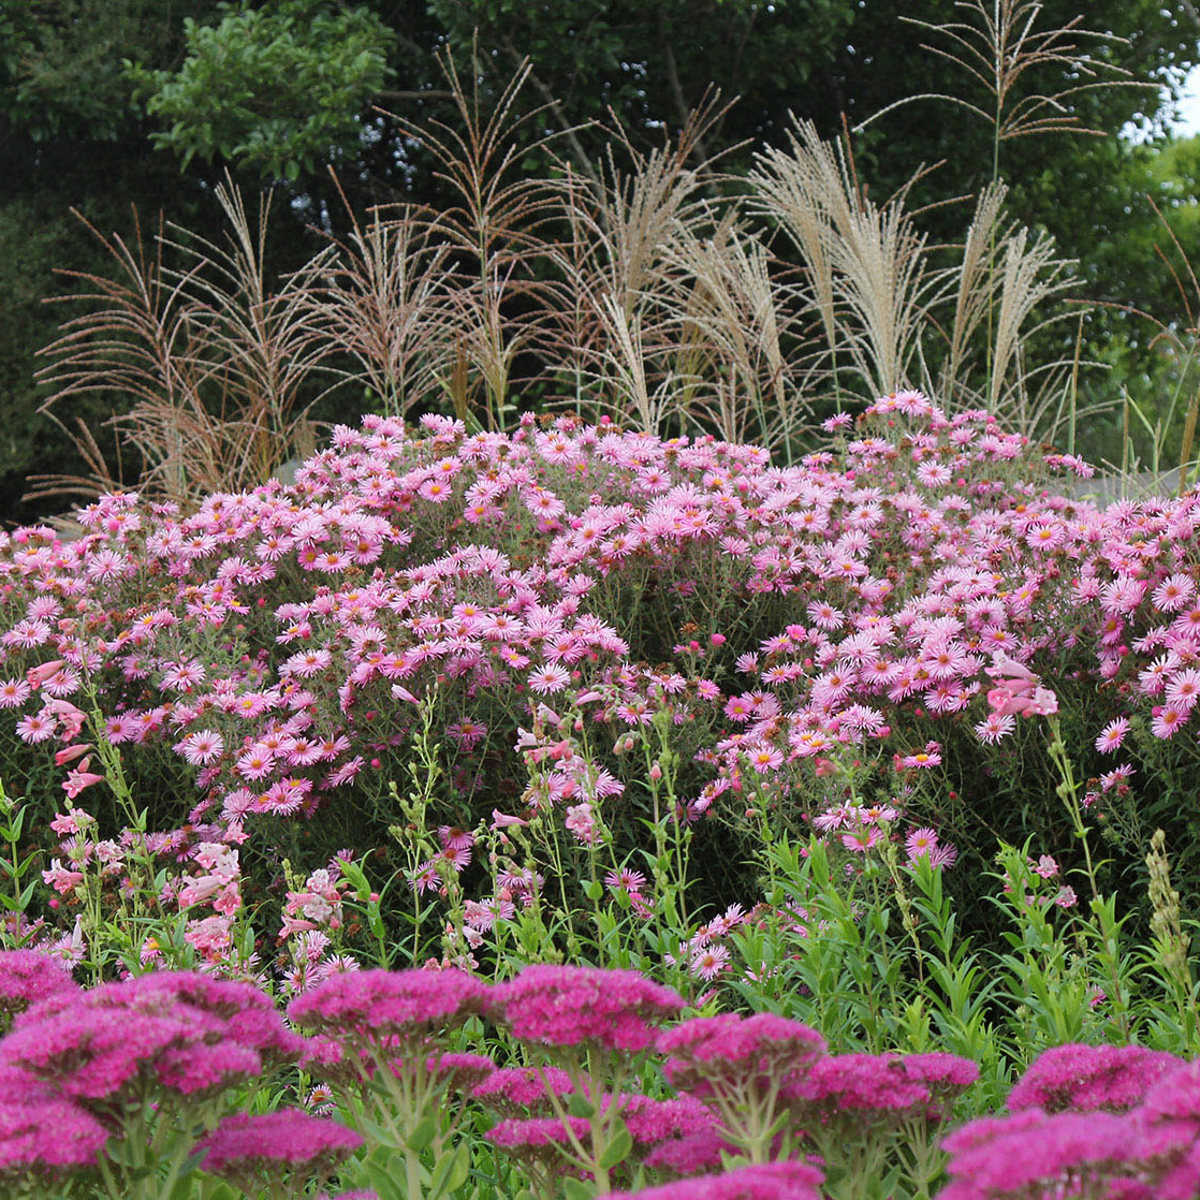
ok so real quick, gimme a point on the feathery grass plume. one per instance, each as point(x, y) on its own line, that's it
point(870, 277)
point(382, 296)
point(974, 288)
point(745, 325)
point(136, 340)
point(216, 361)
point(995, 46)
point(492, 227)
point(1030, 275)
point(617, 319)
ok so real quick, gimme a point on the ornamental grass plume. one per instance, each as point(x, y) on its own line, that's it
point(1090, 1078)
point(758, 1181)
point(280, 1153)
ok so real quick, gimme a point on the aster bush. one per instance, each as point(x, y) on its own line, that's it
point(603, 729)
point(285, 648)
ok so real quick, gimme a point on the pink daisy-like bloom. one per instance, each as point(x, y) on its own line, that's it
point(626, 878)
point(1173, 593)
point(548, 679)
point(862, 840)
point(708, 962)
point(1166, 719)
point(14, 693)
point(995, 727)
point(554, 1005)
point(1112, 735)
point(202, 747)
point(920, 843)
point(255, 763)
point(37, 727)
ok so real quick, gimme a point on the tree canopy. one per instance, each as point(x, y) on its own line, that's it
point(108, 104)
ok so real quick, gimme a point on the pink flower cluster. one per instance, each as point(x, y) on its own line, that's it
point(1093, 1120)
point(281, 642)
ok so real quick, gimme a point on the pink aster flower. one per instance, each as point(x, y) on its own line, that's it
point(1112, 735)
point(995, 727)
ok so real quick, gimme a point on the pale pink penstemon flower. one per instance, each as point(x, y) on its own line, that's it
point(1018, 692)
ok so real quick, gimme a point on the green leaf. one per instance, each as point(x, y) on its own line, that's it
point(576, 1189)
point(619, 1146)
point(423, 1134)
point(579, 1106)
point(451, 1170)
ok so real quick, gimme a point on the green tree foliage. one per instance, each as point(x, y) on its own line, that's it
point(107, 103)
point(279, 90)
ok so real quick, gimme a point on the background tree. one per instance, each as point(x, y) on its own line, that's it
point(108, 104)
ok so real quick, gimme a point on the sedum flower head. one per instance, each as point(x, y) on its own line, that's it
point(769, 1181)
point(28, 977)
point(1090, 1078)
point(572, 1006)
point(708, 1054)
point(389, 1006)
point(258, 1152)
